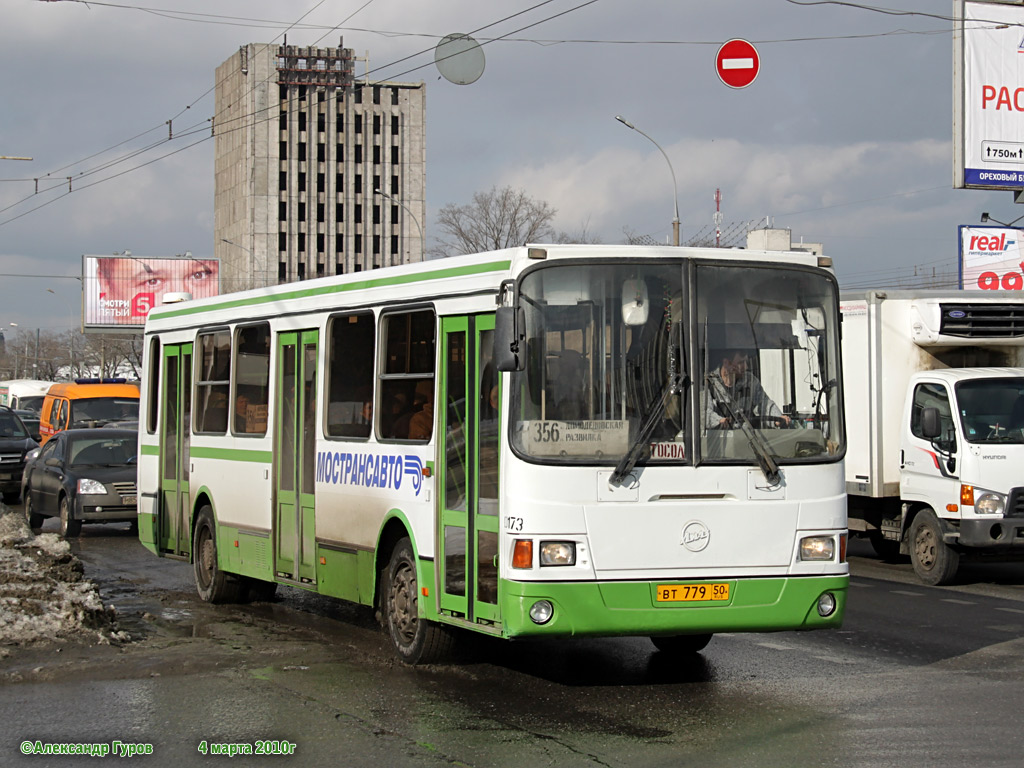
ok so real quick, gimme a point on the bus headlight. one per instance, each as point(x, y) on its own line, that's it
point(817, 548)
point(989, 503)
point(558, 553)
point(541, 612)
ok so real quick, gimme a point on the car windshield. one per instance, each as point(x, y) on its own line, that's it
point(95, 412)
point(11, 426)
point(95, 450)
point(992, 410)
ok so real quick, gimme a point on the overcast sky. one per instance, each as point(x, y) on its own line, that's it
point(845, 138)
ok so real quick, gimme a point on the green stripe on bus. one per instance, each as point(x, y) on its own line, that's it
point(227, 454)
point(305, 293)
point(231, 454)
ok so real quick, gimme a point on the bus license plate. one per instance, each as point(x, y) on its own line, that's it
point(685, 593)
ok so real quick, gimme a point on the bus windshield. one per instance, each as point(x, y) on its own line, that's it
point(620, 368)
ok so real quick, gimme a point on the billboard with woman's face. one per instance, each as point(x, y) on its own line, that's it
point(119, 291)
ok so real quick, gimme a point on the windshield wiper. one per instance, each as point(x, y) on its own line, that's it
point(736, 416)
point(650, 421)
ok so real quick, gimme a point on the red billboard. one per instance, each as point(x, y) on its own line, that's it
point(119, 291)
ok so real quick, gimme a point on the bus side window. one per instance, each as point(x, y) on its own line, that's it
point(407, 380)
point(251, 380)
point(212, 382)
point(350, 375)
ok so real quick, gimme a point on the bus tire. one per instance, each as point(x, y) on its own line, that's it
point(212, 584)
point(681, 644)
point(416, 640)
point(35, 520)
point(69, 527)
point(935, 562)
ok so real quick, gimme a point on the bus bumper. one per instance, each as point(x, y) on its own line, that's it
point(631, 608)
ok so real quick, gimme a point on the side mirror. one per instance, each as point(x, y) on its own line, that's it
point(931, 426)
point(509, 333)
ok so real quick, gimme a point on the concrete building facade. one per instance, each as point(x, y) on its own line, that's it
point(316, 172)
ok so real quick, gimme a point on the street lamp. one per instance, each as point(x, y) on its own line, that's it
point(423, 243)
point(675, 195)
point(985, 217)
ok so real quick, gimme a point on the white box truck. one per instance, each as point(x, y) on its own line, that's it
point(934, 393)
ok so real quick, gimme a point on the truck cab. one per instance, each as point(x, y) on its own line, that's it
point(962, 453)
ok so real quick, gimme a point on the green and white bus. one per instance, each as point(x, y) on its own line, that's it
point(540, 441)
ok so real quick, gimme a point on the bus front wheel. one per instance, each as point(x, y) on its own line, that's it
point(416, 640)
point(681, 643)
point(213, 584)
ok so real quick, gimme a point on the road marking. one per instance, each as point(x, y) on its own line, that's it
point(1010, 610)
point(904, 592)
point(957, 602)
point(861, 585)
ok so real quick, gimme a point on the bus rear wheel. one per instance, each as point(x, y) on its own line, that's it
point(212, 584)
point(416, 640)
point(681, 643)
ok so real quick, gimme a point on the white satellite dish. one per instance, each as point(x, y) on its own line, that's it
point(459, 59)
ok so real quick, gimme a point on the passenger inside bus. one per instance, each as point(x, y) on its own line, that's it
point(420, 423)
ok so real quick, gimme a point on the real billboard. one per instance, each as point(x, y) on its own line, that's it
point(988, 95)
point(119, 291)
point(990, 259)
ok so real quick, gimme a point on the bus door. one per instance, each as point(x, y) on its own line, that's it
point(295, 453)
point(174, 532)
point(468, 439)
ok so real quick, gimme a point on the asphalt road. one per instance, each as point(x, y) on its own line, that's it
point(917, 676)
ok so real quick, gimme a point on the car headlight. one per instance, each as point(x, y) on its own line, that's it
point(31, 454)
point(91, 487)
point(818, 548)
point(558, 553)
point(989, 503)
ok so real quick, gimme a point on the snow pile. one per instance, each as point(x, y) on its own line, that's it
point(43, 595)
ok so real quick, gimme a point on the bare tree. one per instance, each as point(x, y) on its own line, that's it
point(500, 218)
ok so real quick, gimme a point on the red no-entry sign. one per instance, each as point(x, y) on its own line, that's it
point(737, 63)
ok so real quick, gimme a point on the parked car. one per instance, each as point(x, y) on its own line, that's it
point(83, 476)
point(15, 442)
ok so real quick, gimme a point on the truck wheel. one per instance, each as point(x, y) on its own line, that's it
point(416, 640)
point(69, 528)
point(935, 562)
point(212, 584)
point(681, 644)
